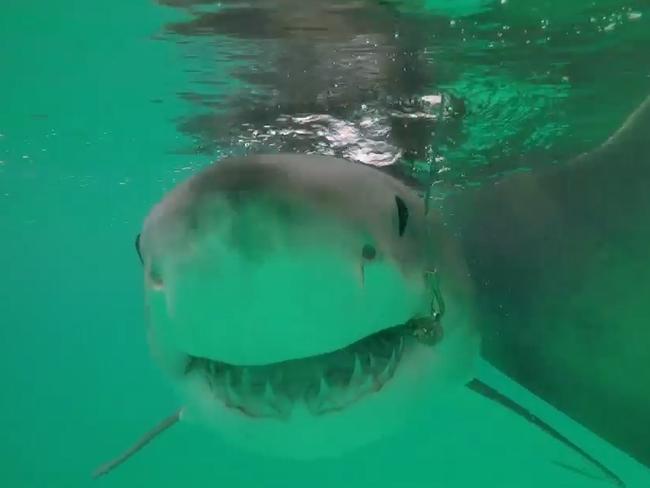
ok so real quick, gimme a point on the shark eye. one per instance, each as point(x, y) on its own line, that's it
point(368, 252)
point(137, 248)
point(402, 215)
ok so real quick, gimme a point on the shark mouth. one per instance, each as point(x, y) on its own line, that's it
point(324, 383)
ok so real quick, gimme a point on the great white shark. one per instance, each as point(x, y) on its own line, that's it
point(292, 296)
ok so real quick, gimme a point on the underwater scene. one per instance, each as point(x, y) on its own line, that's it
point(325, 243)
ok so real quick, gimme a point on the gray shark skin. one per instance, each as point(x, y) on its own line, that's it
point(241, 317)
point(489, 248)
point(560, 260)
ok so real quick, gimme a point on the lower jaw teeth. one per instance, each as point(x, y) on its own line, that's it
point(326, 399)
point(321, 383)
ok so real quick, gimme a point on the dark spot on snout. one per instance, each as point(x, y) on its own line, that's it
point(368, 252)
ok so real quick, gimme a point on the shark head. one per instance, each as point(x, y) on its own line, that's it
point(283, 296)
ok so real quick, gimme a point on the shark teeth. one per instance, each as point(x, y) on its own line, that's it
point(273, 405)
point(357, 372)
point(323, 389)
point(389, 369)
point(231, 396)
point(373, 362)
point(246, 382)
point(323, 383)
point(269, 394)
point(317, 400)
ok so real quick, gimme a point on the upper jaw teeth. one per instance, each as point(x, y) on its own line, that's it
point(323, 383)
point(388, 371)
point(357, 372)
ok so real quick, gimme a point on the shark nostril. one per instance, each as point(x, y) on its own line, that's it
point(368, 252)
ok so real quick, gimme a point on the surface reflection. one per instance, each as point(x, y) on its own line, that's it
point(352, 79)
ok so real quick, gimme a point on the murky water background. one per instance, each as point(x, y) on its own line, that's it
point(105, 105)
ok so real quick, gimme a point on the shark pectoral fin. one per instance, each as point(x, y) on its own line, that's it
point(490, 393)
point(157, 430)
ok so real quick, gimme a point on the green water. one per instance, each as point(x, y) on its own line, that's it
point(91, 135)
